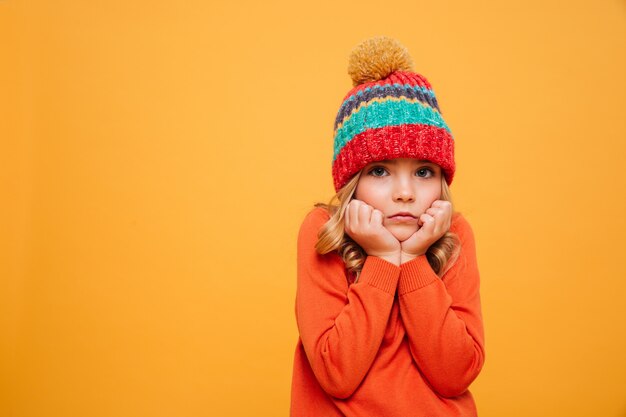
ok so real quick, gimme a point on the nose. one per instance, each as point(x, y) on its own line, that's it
point(403, 191)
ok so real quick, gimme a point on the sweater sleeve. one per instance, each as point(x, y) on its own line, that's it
point(341, 326)
point(443, 318)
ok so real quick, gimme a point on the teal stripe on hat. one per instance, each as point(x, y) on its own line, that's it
point(385, 113)
point(409, 91)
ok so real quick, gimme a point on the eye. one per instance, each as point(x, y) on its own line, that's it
point(425, 173)
point(378, 171)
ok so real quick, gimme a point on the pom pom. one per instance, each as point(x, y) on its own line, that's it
point(376, 58)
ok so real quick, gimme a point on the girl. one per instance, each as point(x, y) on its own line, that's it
point(387, 303)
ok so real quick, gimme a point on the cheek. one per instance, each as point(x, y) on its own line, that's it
point(369, 194)
point(429, 195)
point(435, 193)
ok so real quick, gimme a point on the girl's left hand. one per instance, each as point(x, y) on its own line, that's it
point(433, 224)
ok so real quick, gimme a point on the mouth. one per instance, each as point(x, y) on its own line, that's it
point(403, 216)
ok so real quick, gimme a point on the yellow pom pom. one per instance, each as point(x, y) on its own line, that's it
point(376, 58)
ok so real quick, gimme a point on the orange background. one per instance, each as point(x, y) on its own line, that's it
point(157, 159)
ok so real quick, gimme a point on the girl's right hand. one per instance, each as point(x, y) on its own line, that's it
point(364, 224)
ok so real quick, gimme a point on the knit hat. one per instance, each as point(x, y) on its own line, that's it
point(391, 112)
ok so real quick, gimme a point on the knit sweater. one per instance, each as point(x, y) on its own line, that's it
point(400, 342)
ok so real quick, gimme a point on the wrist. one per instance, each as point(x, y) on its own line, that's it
point(393, 258)
point(406, 257)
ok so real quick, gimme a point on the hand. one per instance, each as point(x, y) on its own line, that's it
point(364, 224)
point(433, 224)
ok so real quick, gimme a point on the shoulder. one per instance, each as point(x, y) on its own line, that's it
point(466, 264)
point(461, 227)
point(312, 223)
point(314, 219)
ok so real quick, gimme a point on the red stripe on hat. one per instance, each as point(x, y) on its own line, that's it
point(418, 141)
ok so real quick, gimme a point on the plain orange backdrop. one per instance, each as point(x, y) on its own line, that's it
point(157, 159)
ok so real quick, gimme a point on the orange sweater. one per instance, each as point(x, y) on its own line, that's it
point(399, 342)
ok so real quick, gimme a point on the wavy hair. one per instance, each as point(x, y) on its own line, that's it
point(441, 255)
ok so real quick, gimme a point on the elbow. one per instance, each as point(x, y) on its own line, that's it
point(339, 377)
point(453, 387)
point(338, 381)
point(340, 393)
point(339, 387)
point(455, 384)
point(450, 390)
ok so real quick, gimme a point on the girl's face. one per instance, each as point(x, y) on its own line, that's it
point(402, 189)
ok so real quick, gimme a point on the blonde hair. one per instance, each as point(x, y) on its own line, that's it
point(441, 255)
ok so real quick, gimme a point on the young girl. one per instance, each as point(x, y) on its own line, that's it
point(387, 303)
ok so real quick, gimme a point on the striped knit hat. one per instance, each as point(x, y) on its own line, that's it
point(390, 113)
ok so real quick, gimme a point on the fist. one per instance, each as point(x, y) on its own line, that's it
point(433, 224)
point(364, 224)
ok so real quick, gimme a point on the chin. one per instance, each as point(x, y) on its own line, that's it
point(403, 233)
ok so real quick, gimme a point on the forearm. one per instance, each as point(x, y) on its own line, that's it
point(445, 335)
point(342, 335)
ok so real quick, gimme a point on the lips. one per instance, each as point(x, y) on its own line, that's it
point(402, 215)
